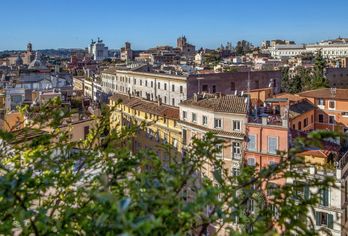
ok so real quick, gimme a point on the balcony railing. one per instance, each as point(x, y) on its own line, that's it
point(267, 119)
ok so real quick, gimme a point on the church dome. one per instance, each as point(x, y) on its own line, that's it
point(19, 60)
point(36, 64)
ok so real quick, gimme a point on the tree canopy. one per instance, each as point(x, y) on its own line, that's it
point(98, 186)
point(305, 78)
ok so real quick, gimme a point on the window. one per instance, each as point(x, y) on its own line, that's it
point(134, 81)
point(204, 88)
point(252, 142)
point(173, 102)
point(321, 118)
point(220, 150)
point(331, 119)
point(345, 113)
point(181, 89)
point(305, 122)
point(272, 163)
point(217, 123)
point(324, 219)
point(85, 131)
point(272, 145)
point(236, 150)
point(274, 83)
point(194, 117)
point(236, 125)
point(204, 120)
point(165, 86)
point(271, 187)
point(257, 84)
point(320, 102)
point(158, 85)
point(233, 86)
point(299, 125)
point(302, 190)
point(141, 83)
point(146, 83)
point(324, 197)
point(184, 115)
point(165, 99)
point(235, 171)
point(251, 161)
point(184, 136)
point(214, 89)
point(173, 87)
point(332, 104)
point(151, 84)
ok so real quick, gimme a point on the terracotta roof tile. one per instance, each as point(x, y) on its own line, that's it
point(140, 104)
point(341, 94)
point(228, 104)
point(300, 108)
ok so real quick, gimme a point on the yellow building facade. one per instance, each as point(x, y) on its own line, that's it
point(156, 125)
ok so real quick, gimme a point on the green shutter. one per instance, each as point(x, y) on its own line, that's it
point(317, 218)
point(326, 197)
point(306, 192)
point(330, 221)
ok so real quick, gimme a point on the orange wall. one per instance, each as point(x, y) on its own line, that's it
point(301, 118)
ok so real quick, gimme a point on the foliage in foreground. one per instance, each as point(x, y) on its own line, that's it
point(98, 186)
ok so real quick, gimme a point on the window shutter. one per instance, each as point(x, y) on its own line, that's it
point(330, 221)
point(324, 197)
point(235, 216)
point(317, 218)
point(306, 192)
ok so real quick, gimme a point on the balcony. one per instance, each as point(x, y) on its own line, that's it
point(236, 156)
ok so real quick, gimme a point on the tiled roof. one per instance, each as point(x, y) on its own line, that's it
point(341, 94)
point(289, 96)
point(214, 131)
point(300, 107)
point(26, 134)
point(228, 104)
point(140, 104)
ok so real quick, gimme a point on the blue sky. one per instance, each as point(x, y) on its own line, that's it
point(146, 23)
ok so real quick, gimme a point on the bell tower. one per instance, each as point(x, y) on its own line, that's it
point(29, 47)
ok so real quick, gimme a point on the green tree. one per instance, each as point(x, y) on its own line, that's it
point(243, 47)
point(319, 80)
point(306, 78)
point(284, 83)
point(295, 84)
point(50, 185)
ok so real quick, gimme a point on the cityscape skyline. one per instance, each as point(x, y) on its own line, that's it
point(65, 24)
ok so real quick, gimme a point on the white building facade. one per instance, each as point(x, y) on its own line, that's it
point(168, 89)
point(98, 50)
point(329, 50)
point(331, 214)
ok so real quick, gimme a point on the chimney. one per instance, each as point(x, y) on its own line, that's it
point(195, 97)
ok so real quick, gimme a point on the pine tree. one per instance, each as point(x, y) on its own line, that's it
point(319, 80)
point(295, 85)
